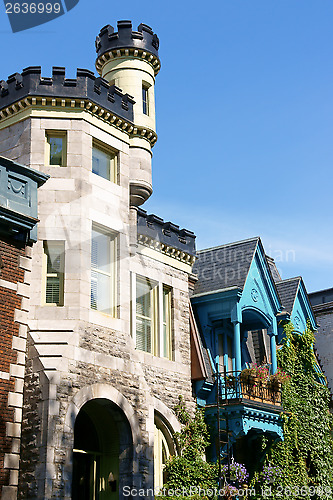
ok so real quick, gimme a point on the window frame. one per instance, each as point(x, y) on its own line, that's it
point(145, 98)
point(114, 160)
point(60, 275)
point(164, 444)
point(161, 343)
point(59, 134)
point(112, 274)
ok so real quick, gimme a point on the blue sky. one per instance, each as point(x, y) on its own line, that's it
point(244, 116)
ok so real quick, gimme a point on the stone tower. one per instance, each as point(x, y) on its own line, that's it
point(129, 60)
point(107, 310)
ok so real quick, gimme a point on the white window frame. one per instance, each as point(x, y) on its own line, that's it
point(161, 338)
point(60, 245)
point(114, 159)
point(111, 274)
point(145, 101)
point(59, 134)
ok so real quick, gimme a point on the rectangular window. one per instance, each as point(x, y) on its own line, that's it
point(145, 100)
point(166, 334)
point(54, 267)
point(103, 271)
point(56, 148)
point(104, 162)
point(153, 331)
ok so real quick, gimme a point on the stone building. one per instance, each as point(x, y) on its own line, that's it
point(322, 304)
point(108, 318)
point(18, 232)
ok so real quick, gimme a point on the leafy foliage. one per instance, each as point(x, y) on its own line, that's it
point(189, 469)
point(305, 457)
point(301, 466)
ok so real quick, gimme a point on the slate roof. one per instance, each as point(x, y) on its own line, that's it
point(287, 290)
point(224, 266)
point(274, 270)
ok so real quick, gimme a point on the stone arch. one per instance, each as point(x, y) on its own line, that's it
point(121, 405)
point(167, 415)
point(164, 424)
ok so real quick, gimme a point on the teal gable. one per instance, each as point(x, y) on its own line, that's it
point(296, 306)
point(236, 305)
point(238, 295)
point(241, 305)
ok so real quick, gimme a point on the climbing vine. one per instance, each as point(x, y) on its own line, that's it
point(304, 458)
point(189, 472)
point(300, 466)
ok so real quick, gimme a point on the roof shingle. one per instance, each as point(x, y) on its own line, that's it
point(287, 290)
point(224, 266)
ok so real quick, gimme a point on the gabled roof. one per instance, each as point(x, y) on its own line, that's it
point(274, 270)
point(224, 266)
point(287, 290)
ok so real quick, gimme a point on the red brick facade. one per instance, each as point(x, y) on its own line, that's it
point(10, 252)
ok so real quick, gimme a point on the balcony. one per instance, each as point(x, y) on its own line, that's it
point(234, 388)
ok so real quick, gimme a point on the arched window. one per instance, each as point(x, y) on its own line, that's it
point(163, 447)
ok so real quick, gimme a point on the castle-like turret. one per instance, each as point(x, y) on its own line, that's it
point(129, 59)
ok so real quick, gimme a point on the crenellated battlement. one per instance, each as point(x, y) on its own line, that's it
point(166, 237)
point(143, 43)
point(85, 86)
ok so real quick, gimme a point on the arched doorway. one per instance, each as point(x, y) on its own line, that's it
point(101, 435)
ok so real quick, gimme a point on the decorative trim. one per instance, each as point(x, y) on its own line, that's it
point(100, 112)
point(143, 43)
point(128, 52)
point(165, 237)
point(166, 249)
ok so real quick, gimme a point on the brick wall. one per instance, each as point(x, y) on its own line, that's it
point(10, 301)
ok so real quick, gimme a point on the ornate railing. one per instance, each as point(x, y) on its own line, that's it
point(234, 386)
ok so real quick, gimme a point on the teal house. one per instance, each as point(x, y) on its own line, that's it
point(240, 305)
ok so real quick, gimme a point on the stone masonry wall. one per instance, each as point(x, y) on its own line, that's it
point(94, 355)
point(15, 142)
point(31, 427)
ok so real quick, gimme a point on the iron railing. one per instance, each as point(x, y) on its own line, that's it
point(234, 386)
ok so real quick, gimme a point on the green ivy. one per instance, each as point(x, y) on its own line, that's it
point(305, 456)
point(189, 469)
